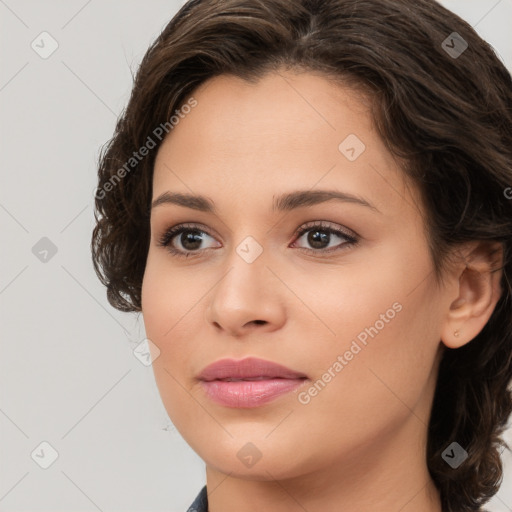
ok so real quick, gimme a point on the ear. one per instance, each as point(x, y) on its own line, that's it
point(479, 272)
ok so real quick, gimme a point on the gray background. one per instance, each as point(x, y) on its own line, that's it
point(68, 372)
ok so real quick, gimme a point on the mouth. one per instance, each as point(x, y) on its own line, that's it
point(249, 382)
point(250, 368)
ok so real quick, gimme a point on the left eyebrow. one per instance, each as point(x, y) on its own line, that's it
point(284, 202)
point(301, 198)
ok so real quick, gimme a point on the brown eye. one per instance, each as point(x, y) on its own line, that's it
point(319, 236)
point(189, 238)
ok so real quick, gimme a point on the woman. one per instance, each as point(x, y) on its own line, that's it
point(338, 333)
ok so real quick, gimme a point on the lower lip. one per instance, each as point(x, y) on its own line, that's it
point(248, 393)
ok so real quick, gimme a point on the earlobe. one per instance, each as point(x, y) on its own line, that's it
point(477, 293)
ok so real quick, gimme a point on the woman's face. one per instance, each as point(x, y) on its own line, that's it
point(351, 304)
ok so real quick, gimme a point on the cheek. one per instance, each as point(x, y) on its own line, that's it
point(169, 316)
point(169, 307)
point(387, 297)
point(167, 295)
point(377, 367)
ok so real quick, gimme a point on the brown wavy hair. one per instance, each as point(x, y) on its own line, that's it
point(448, 117)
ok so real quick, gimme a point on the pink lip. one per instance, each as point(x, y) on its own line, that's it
point(250, 367)
point(264, 382)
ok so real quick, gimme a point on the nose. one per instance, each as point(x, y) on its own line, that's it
point(247, 297)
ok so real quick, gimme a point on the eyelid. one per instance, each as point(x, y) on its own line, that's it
point(337, 228)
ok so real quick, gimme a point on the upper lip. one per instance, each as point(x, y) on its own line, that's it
point(248, 368)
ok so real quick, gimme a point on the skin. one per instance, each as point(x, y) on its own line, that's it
point(359, 444)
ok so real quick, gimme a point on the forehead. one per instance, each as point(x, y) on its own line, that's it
point(287, 131)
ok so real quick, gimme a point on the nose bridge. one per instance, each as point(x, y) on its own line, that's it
point(245, 293)
point(245, 271)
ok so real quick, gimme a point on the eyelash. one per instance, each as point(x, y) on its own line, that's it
point(166, 239)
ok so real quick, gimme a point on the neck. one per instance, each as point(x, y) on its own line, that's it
point(388, 475)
